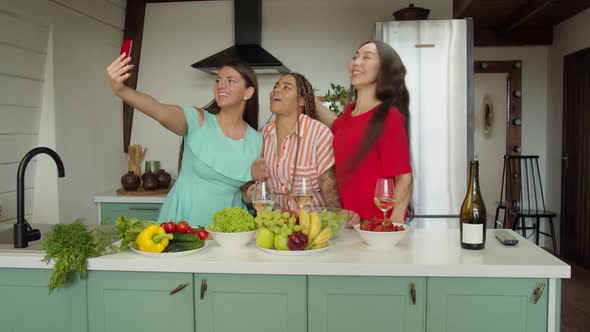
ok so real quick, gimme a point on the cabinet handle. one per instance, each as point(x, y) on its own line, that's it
point(413, 292)
point(538, 292)
point(178, 289)
point(203, 288)
point(143, 208)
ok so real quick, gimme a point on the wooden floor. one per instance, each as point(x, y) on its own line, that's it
point(575, 301)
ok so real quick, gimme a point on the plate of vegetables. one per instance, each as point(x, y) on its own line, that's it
point(160, 240)
point(172, 253)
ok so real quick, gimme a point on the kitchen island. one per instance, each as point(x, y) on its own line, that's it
point(428, 283)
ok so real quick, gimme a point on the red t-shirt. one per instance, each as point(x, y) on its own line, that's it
point(390, 156)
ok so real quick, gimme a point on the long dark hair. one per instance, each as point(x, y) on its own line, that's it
point(391, 91)
point(252, 105)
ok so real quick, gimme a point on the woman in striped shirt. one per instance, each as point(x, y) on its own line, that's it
point(296, 146)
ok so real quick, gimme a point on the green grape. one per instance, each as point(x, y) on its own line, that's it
point(276, 214)
point(289, 231)
point(292, 220)
point(297, 228)
point(284, 227)
point(276, 230)
point(281, 222)
point(286, 215)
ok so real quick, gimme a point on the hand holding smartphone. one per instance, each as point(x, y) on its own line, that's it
point(126, 46)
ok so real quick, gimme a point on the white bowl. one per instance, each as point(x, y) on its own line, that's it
point(382, 240)
point(233, 240)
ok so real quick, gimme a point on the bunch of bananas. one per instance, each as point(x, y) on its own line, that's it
point(311, 226)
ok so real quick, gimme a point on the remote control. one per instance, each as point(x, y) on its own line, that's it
point(505, 238)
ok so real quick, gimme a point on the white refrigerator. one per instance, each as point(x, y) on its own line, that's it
point(438, 55)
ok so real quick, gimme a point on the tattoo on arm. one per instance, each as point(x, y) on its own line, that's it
point(329, 188)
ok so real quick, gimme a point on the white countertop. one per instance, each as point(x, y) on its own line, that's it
point(112, 197)
point(425, 252)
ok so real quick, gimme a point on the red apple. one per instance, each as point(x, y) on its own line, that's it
point(297, 241)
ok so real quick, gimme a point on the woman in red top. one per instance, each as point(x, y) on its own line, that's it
point(371, 136)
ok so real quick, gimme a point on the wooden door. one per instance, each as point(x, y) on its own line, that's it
point(575, 184)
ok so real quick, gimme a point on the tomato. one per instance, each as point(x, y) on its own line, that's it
point(202, 234)
point(182, 227)
point(169, 227)
point(190, 230)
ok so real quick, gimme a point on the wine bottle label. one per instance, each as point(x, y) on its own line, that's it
point(472, 233)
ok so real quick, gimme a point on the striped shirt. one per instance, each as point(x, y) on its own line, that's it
point(314, 158)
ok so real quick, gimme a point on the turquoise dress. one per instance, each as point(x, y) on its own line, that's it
point(214, 167)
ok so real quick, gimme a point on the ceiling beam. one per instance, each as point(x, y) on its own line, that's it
point(525, 13)
point(134, 17)
point(523, 36)
point(156, 1)
point(461, 8)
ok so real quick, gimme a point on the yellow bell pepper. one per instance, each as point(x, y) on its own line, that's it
point(153, 239)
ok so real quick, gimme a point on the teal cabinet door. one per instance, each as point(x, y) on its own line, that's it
point(342, 304)
point(140, 301)
point(257, 303)
point(27, 306)
point(109, 212)
point(486, 305)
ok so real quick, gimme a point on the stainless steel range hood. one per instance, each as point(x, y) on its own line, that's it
point(247, 33)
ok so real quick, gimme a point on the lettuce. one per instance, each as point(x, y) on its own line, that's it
point(232, 220)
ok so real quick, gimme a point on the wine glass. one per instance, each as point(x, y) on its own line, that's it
point(384, 195)
point(303, 192)
point(262, 197)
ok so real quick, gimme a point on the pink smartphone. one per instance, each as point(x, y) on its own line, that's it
point(126, 46)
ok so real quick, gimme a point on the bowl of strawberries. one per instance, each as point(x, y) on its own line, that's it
point(381, 235)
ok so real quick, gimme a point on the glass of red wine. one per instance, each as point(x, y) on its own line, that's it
point(384, 196)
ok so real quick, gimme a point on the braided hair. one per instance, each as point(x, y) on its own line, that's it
point(305, 90)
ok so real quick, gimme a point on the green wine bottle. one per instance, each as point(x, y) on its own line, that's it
point(473, 213)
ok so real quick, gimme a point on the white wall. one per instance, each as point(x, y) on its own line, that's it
point(568, 37)
point(22, 62)
point(490, 147)
point(87, 124)
point(46, 203)
point(316, 38)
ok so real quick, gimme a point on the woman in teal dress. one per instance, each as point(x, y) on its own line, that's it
point(220, 142)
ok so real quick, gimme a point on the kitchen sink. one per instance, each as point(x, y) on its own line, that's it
point(7, 238)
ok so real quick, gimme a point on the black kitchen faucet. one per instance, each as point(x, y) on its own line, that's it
point(23, 232)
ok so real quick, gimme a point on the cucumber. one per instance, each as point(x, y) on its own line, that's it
point(184, 246)
point(183, 237)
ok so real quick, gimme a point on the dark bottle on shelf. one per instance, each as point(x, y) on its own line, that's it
point(473, 213)
point(164, 179)
point(130, 181)
point(149, 180)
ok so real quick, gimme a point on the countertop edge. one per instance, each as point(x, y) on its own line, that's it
point(105, 263)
